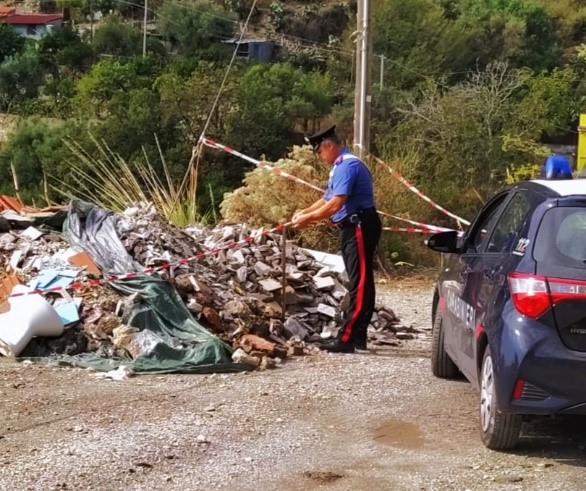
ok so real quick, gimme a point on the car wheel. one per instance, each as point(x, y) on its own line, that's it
point(499, 431)
point(441, 364)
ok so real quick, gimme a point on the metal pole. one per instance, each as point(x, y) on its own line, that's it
point(357, 84)
point(144, 24)
point(363, 65)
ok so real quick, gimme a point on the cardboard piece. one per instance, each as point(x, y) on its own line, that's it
point(83, 259)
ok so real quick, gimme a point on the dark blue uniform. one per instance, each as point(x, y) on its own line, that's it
point(360, 230)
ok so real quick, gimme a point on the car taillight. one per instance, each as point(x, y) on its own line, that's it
point(533, 295)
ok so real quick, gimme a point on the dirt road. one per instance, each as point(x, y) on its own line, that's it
point(340, 422)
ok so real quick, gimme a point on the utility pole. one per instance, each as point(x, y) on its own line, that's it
point(144, 26)
point(363, 97)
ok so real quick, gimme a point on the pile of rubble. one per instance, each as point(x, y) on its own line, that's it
point(265, 298)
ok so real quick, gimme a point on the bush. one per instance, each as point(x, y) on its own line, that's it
point(267, 199)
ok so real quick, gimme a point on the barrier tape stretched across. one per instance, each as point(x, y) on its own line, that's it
point(276, 170)
point(413, 189)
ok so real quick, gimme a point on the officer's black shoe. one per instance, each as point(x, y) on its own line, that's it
point(360, 344)
point(337, 346)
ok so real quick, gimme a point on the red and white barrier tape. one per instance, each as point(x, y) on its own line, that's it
point(413, 189)
point(410, 230)
point(218, 146)
point(432, 228)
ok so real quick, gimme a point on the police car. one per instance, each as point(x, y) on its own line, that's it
point(509, 308)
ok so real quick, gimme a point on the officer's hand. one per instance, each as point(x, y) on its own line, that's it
point(299, 220)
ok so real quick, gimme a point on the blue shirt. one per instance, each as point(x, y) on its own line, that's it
point(558, 167)
point(351, 178)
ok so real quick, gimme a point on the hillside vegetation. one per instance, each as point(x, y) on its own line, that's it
point(471, 92)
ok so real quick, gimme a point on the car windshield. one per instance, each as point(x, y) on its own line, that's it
point(561, 239)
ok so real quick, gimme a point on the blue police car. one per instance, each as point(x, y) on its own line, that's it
point(509, 308)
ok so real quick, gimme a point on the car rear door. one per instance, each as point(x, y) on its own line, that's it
point(560, 255)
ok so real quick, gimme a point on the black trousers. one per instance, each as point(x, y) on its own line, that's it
point(358, 242)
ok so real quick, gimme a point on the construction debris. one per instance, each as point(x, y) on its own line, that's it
point(229, 278)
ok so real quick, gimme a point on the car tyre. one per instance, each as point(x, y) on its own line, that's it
point(499, 431)
point(442, 365)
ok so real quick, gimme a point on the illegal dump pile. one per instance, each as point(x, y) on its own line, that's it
point(131, 289)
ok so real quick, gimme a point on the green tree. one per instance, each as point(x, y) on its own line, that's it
point(190, 99)
point(110, 78)
point(20, 79)
point(258, 123)
point(199, 28)
point(311, 100)
point(121, 40)
point(11, 43)
point(36, 150)
point(457, 136)
point(418, 41)
point(519, 31)
point(64, 48)
point(547, 105)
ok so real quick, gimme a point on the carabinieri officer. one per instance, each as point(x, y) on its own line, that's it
point(349, 203)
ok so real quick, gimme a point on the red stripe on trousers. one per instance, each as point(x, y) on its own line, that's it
point(361, 283)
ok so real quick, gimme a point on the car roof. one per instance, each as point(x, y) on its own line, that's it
point(563, 187)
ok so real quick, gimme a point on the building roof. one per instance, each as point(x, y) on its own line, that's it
point(564, 187)
point(6, 10)
point(247, 40)
point(31, 19)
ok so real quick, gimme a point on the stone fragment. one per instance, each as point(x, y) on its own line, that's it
point(326, 310)
point(270, 285)
point(324, 282)
point(240, 356)
point(295, 327)
point(262, 269)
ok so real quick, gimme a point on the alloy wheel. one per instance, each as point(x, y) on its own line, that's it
point(486, 394)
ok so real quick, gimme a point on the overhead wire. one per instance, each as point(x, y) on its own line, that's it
point(191, 172)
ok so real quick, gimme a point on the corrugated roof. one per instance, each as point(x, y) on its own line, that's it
point(31, 19)
point(9, 203)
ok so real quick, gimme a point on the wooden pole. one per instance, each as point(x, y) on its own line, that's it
point(15, 180)
point(284, 271)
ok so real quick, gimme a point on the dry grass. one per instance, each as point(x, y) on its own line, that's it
point(110, 182)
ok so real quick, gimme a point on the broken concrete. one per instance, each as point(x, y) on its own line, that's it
point(230, 278)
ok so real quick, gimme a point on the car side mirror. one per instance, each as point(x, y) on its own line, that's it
point(445, 242)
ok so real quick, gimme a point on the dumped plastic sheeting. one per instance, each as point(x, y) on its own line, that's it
point(92, 229)
point(182, 344)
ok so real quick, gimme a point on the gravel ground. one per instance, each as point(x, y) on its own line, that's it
point(325, 421)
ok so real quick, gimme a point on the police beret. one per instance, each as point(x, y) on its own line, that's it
point(315, 140)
